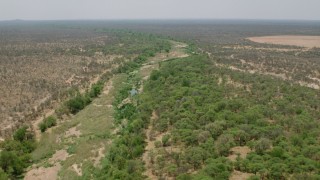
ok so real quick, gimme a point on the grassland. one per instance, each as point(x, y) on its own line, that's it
point(84, 137)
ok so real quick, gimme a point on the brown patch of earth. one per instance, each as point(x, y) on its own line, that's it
point(108, 87)
point(73, 132)
point(41, 173)
point(241, 150)
point(238, 175)
point(77, 168)
point(149, 148)
point(302, 41)
point(99, 155)
point(49, 173)
point(59, 156)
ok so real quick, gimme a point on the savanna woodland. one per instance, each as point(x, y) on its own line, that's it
point(159, 100)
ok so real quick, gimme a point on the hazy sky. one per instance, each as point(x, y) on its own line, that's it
point(159, 9)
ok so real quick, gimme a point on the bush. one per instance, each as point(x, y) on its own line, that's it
point(78, 103)
point(20, 134)
point(165, 140)
point(47, 123)
point(96, 90)
point(42, 127)
point(11, 163)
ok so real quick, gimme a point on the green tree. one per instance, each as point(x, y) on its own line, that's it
point(20, 134)
point(11, 163)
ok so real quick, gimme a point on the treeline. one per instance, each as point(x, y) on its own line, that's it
point(15, 154)
point(124, 42)
point(80, 101)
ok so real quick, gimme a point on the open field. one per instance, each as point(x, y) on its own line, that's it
point(302, 41)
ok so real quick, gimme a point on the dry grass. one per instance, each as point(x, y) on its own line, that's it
point(302, 41)
point(81, 135)
point(237, 175)
point(48, 173)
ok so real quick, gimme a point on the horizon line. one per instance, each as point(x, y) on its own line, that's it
point(163, 19)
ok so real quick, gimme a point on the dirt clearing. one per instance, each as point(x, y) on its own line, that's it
point(242, 151)
point(302, 41)
point(237, 175)
point(48, 173)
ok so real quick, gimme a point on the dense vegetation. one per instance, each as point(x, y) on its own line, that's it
point(204, 116)
point(15, 154)
point(121, 161)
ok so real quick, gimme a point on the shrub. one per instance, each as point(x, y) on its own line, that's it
point(96, 90)
point(47, 123)
point(11, 163)
point(20, 134)
point(78, 103)
point(42, 127)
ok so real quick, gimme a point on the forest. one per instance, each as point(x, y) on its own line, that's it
point(203, 112)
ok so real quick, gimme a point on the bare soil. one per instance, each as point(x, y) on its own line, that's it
point(77, 169)
point(238, 175)
point(59, 156)
point(241, 150)
point(100, 154)
point(150, 146)
point(73, 132)
point(302, 41)
point(48, 173)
